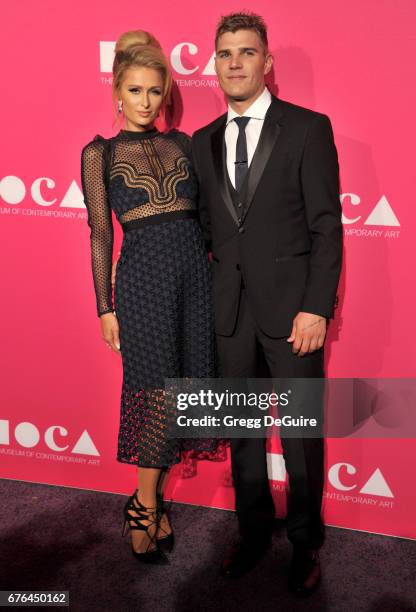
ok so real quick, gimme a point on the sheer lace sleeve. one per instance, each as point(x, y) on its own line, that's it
point(99, 220)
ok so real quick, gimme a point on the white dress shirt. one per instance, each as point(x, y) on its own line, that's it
point(256, 112)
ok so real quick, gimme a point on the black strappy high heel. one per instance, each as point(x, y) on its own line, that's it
point(154, 556)
point(167, 541)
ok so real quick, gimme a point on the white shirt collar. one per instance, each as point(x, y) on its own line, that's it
point(257, 110)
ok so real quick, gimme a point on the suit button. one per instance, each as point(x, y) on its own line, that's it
point(239, 205)
point(241, 230)
point(238, 267)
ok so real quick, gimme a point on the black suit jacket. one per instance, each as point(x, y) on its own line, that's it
point(288, 248)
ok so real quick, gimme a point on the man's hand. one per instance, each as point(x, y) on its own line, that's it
point(110, 331)
point(308, 333)
point(113, 270)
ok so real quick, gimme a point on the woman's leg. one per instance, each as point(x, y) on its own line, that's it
point(161, 483)
point(165, 528)
point(147, 483)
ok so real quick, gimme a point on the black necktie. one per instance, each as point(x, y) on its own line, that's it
point(241, 161)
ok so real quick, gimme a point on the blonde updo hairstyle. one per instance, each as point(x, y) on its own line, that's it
point(138, 48)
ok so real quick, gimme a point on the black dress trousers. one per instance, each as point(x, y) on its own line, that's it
point(239, 357)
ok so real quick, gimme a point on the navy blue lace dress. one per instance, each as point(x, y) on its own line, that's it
point(162, 294)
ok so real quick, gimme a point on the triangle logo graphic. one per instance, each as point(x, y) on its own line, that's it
point(377, 485)
point(85, 446)
point(382, 214)
point(74, 197)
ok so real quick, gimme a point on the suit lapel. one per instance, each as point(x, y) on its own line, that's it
point(267, 141)
point(220, 165)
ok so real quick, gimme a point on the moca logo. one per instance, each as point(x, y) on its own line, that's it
point(176, 58)
point(28, 435)
point(375, 485)
point(13, 191)
point(382, 213)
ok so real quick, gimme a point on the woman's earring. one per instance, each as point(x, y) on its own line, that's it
point(120, 106)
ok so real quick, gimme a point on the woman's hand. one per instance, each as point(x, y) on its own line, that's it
point(110, 331)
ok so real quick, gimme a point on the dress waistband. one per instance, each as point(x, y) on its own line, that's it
point(159, 218)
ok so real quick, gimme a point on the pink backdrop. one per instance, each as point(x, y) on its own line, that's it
point(61, 385)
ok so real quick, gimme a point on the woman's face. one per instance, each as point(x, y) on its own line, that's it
point(141, 93)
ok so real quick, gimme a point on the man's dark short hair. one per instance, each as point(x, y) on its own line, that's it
point(243, 21)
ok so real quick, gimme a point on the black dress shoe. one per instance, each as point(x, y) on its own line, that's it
point(305, 571)
point(242, 557)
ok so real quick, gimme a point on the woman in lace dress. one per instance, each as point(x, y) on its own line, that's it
point(161, 321)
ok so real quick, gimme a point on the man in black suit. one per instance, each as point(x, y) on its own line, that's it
point(270, 209)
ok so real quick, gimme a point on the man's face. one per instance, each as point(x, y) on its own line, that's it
point(241, 63)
